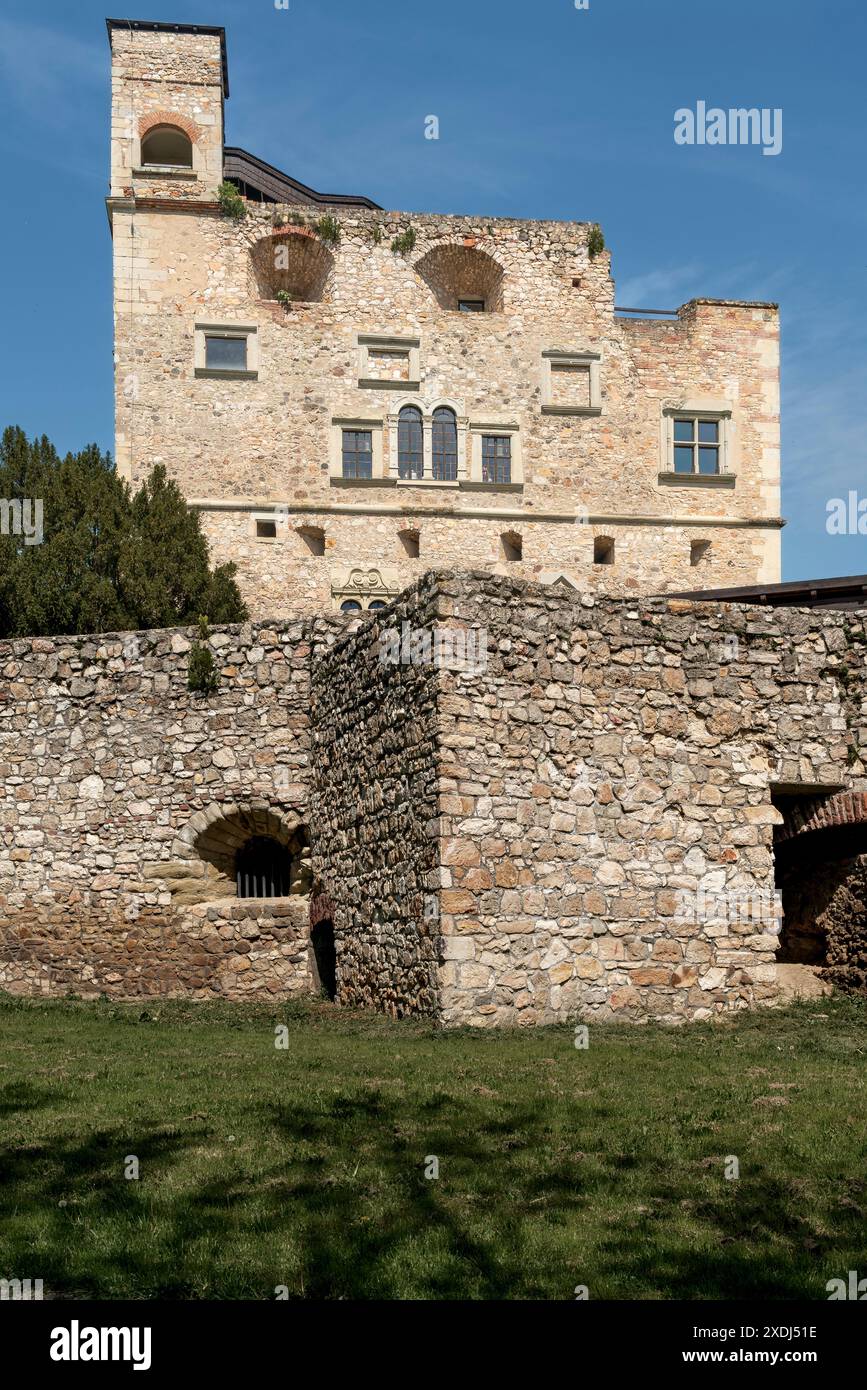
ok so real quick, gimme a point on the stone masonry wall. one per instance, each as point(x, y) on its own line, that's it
point(113, 774)
point(539, 833)
point(604, 837)
point(374, 811)
point(606, 785)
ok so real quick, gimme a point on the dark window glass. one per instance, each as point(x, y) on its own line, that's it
point(267, 529)
point(471, 306)
point(262, 868)
point(357, 454)
point(496, 458)
point(445, 444)
point(350, 606)
point(410, 443)
point(697, 445)
point(226, 354)
point(377, 603)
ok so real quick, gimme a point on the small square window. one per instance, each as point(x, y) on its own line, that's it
point(696, 445)
point(603, 550)
point(225, 354)
point(471, 306)
point(357, 454)
point(266, 530)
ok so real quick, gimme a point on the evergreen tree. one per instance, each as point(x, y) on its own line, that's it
point(108, 560)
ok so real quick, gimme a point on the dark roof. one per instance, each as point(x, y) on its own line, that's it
point(847, 592)
point(278, 187)
point(154, 24)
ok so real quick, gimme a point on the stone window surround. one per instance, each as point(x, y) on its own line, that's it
point(388, 343)
point(511, 431)
point(469, 450)
point(162, 171)
point(255, 518)
point(590, 360)
point(339, 423)
point(250, 331)
point(715, 408)
point(427, 413)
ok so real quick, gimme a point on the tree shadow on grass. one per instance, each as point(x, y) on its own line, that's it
point(18, 1096)
point(345, 1211)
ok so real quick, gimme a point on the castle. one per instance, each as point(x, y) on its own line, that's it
point(351, 397)
point(536, 783)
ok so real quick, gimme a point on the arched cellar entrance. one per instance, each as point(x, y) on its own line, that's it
point(820, 855)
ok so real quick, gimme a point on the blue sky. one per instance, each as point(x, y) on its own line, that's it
point(545, 111)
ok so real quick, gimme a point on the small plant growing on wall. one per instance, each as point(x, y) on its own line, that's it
point(376, 234)
point(328, 228)
point(231, 203)
point(595, 241)
point(201, 670)
point(404, 243)
point(284, 297)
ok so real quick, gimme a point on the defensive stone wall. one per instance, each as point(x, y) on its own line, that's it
point(514, 804)
point(123, 796)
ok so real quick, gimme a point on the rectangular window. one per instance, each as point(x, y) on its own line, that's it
point(696, 445)
point(357, 454)
point(225, 354)
point(496, 458)
point(444, 445)
point(266, 530)
point(471, 306)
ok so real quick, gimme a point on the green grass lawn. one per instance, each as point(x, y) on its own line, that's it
point(305, 1167)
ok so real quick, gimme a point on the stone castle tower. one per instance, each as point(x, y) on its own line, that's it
point(352, 397)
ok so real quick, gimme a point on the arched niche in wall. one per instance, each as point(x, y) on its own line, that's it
point(463, 277)
point(293, 262)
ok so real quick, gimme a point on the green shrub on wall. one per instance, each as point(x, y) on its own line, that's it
point(202, 670)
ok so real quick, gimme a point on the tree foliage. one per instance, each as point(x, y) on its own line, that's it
point(109, 560)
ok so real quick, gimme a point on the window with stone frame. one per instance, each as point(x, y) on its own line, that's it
point(357, 453)
point(167, 146)
point(444, 444)
point(697, 444)
point(496, 458)
point(226, 352)
point(410, 443)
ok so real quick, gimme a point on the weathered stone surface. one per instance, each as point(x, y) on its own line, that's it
point(178, 263)
point(492, 845)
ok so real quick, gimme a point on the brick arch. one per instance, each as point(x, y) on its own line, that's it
point(823, 813)
point(154, 118)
